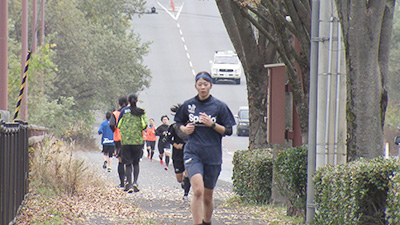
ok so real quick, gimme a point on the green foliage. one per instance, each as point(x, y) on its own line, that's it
point(78, 130)
point(291, 171)
point(252, 174)
point(114, 15)
point(392, 115)
point(354, 193)
point(394, 66)
point(58, 113)
point(393, 200)
point(92, 57)
point(100, 64)
point(14, 70)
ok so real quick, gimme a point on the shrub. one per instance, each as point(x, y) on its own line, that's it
point(393, 200)
point(291, 171)
point(354, 193)
point(252, 175)
point(79, 131)
point(54, 166)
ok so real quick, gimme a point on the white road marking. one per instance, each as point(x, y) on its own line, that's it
point(175, 17)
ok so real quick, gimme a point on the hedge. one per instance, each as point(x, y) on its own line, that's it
point(356, 193)
point(393, 200)
point(291, 171)
point(252, 175)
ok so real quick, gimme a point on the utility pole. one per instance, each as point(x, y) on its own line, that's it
point(312, 124)
point(34, 26)
point(42, 22)
point(24, 53)
point(331, 122)
point(3, 55)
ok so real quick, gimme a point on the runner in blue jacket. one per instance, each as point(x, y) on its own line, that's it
point(107, 141)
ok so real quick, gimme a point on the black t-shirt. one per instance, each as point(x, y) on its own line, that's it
point(162, 140)
point(178, 137)
point(205, 142)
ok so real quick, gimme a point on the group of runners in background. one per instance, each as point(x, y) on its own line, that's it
point(168, 136)
point(195, 137)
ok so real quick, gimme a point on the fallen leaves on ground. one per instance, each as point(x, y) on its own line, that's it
point(84, 207)
point(111, 205)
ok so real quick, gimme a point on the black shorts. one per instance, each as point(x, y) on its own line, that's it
point(117, 148)
point(108, 149)
point(151, 144)
point(131, 154)
point(179, 166)
point(165, 147)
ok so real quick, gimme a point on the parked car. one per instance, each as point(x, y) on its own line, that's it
point(226, 66)
point(242, 127)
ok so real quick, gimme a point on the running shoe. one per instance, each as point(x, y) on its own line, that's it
point(131, 189)
point(121, 186)
point(166, 168)
point(105, 164)
point(135, 188)
point(161, 161)
point(127, 187)
point(109, 169)
point(185, 198)
point(151, 160)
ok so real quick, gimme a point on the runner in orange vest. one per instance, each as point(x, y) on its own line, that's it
point(122, 101)
point(150, 134)
point(144, 144)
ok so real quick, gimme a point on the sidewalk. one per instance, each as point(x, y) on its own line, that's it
point(161, 195)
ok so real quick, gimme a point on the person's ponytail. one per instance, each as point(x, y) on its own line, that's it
point(132, 98)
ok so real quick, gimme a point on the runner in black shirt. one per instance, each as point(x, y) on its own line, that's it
point(163, 144)
point(206, 120)
point(178, 139)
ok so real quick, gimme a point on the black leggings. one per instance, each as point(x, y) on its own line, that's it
point(129, 173)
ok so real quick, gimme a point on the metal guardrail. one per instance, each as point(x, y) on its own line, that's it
point(14, 168)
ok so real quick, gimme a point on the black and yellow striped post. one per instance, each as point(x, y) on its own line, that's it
point(23, 84)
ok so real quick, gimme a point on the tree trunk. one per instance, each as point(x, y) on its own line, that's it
point(366, 30)
point(254, 53)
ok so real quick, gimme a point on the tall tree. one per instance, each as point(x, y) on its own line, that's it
point(262, 34)
point(366, 26)
point(93, 57)
point(104, 61)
